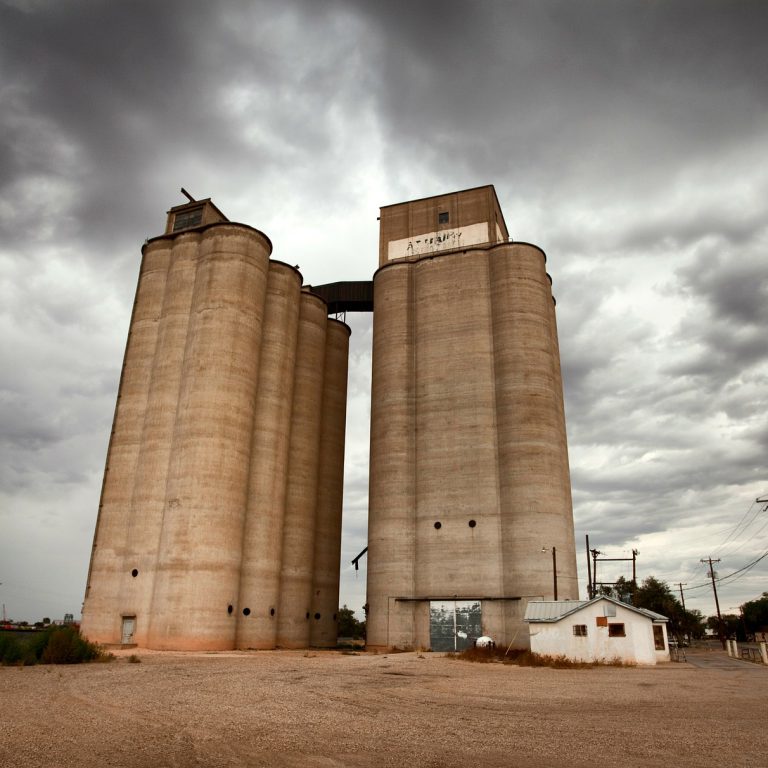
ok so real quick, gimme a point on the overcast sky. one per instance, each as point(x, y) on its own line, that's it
point(628, 139)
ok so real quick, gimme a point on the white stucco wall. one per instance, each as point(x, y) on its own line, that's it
point(556, 639)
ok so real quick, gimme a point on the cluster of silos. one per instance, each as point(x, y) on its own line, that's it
point(469, 478)
point(220, 517)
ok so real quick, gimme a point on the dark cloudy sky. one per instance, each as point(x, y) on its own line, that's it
point(628, 139)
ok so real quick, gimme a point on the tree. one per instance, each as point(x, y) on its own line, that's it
point(693, 624)
point(756, 614)
point(622, 589)
point(733, 626)
point(348, 625)
point(656, 595)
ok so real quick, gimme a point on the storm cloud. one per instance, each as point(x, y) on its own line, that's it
point(627, 139)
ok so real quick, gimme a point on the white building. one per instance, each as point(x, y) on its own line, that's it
point(601, 629)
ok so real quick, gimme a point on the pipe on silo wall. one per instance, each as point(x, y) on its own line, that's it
point(330, 492)
point(198, 570)
point(392, 500)
point(259, 590)
point(534, 494)
point(148, 501)
point(101, 612)
point(293, 612)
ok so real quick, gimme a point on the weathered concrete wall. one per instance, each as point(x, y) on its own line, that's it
point(101, 618)
point(259, 592)
point(469, 463)
point(392, 485)
point(330, 490)
point(206, 528)
point(148, 500)
point(198, 570)
point(294, 610)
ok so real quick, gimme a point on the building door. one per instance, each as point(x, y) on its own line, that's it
point(454, 624)
point(129, 628)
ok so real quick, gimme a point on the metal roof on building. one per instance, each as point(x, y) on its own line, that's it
point(551, 611)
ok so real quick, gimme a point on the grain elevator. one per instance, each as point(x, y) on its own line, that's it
point(219, 523)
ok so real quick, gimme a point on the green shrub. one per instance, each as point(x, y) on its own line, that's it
point(11, 650)
point(66, 646)
point(55, 645)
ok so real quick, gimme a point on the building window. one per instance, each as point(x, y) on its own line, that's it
point(616, 630)
point(658, 637)
point(188, 218)
point(442, 217)
point(580, 630)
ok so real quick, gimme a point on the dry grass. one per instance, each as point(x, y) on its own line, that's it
point(524, 658)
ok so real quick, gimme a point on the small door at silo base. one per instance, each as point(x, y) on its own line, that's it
point(454, 624)
point(129, 629)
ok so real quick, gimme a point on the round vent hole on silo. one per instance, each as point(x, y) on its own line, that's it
point(230, 608)
point(472, 523)
point(246, 611)
point(271, 611)
point(135, 572)
point(438, 525)
point(307, 616)
point(317, 616)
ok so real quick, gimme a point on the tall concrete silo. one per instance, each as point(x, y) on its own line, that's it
point(217, 473)
point(330, 489)
point(106, 574)
point(469, 474)
point(259, 591)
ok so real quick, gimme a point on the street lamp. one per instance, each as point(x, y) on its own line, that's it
point(554, 568)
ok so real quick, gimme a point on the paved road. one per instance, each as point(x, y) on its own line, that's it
point(705, 659)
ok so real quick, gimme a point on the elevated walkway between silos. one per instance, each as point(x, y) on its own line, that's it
point(346, 296)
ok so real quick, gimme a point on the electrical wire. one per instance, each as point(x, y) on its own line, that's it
point(721, 579)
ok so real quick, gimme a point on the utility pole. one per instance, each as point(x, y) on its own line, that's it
point(590, 594)
point(717, 602)
point(595, 553)
point(635, 553)
point(682, 584)
point(554, 569)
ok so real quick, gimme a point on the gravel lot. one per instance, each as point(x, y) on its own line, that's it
point(300, 709)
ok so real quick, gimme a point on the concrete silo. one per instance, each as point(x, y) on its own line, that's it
point(469, 467)
point(217, 475)
point(220, 519)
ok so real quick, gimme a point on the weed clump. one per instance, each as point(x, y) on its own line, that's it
point(526, 658)
point(55, 645)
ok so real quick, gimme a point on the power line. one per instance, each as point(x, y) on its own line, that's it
point(724, 578)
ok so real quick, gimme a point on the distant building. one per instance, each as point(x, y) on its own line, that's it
point(601, 629)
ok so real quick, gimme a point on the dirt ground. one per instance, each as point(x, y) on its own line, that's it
point(327, 709)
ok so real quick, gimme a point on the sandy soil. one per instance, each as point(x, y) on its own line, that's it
point(329, 709)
